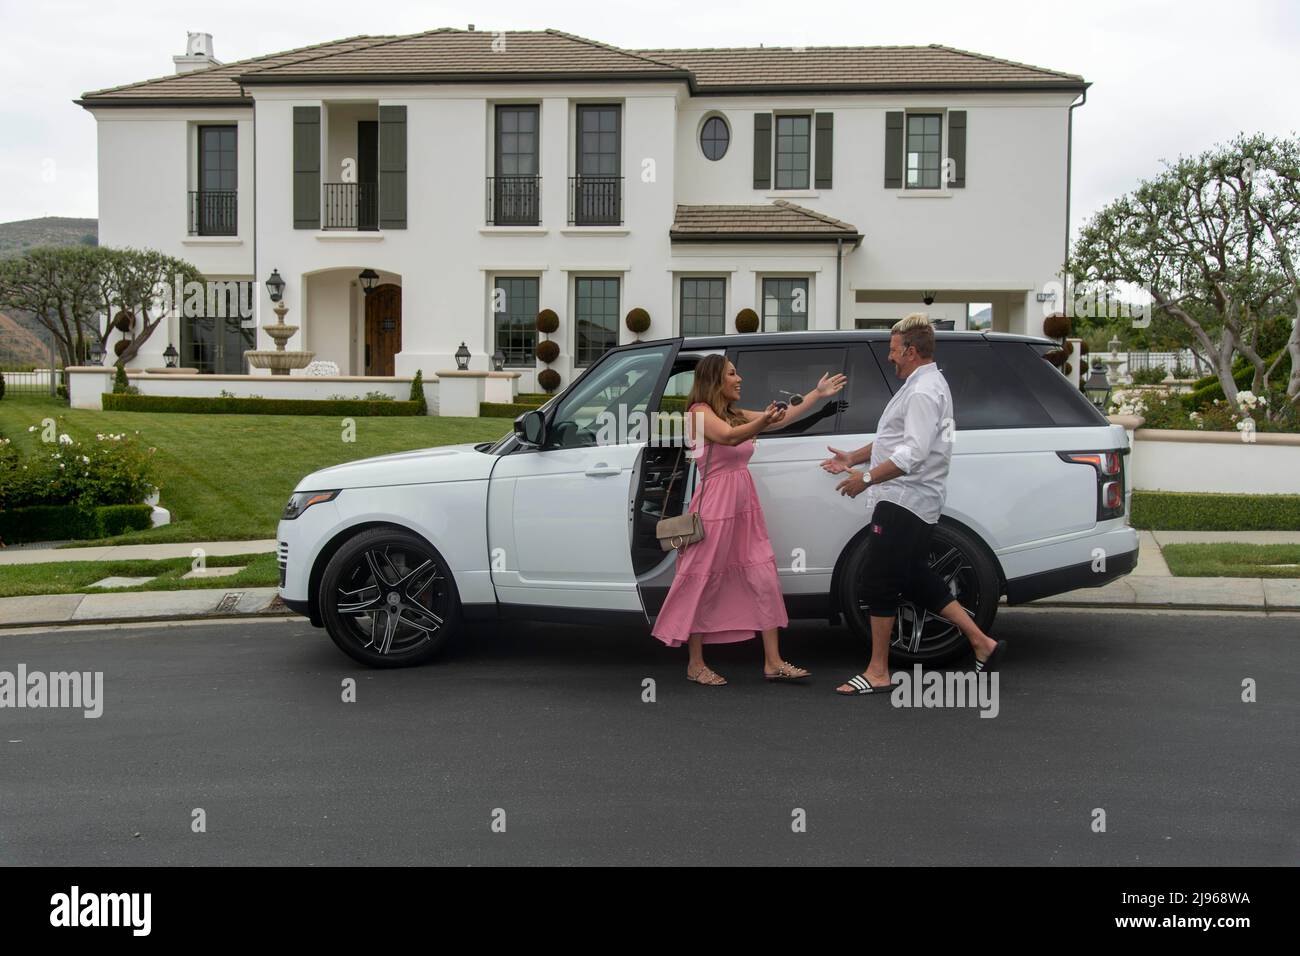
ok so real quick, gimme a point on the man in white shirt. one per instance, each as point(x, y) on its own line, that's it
point(906, 485)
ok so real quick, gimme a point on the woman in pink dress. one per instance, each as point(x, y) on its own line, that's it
point(725, 587)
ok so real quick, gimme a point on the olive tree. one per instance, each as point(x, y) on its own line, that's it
point(1211, 240)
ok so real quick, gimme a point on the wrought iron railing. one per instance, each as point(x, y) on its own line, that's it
point(514, 200)
point(595, 200)
point(214, 212)
point(350, 206)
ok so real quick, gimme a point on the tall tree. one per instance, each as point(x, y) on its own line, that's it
point(77, 291)
point(59, 286)
point(1197, 239)
point(139, 283)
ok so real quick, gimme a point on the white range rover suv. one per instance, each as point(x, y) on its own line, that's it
point(556, 521)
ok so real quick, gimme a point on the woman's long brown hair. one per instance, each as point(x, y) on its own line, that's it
point(707, 388)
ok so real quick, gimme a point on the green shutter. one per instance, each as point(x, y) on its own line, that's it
point(894, 150)
point(392, 167)
point(824, 148)
point(306, 167)
point(762, 150)
point(957, 147)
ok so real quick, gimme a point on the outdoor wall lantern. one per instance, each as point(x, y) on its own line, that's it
point(462, 357)
point(498, 360)
point(96, 354)
point(927, 298)
point(368, 279)
point(1097, 386)
point(170, 354)
point(275, 286)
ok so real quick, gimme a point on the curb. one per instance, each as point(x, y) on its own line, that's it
point(188, 604)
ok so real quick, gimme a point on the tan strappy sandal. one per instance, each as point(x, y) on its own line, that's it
point(706, 677)
point(786, 672)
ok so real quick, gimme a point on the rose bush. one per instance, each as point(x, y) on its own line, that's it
point(114, 469)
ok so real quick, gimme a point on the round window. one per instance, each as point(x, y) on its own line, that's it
point(715, 137)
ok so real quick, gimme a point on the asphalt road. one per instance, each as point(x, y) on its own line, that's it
point(1139, 715)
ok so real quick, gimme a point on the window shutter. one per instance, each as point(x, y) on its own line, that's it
point(762, 150)
point(392, 167)
point(824, 149)
point(306, 167)
point(894, 150)
point(957, 147)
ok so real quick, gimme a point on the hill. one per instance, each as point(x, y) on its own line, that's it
point(49, 231)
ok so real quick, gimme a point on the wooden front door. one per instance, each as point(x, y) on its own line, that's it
point(383, 328)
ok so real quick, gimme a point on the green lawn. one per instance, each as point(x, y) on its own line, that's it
point(227, 477)
point(74, 577)
point(1233, 560)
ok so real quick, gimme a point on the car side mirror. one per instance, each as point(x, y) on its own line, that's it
point(530, 428)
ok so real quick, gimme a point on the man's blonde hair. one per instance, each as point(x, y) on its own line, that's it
point(917, 332)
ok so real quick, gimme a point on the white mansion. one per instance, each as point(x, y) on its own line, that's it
point(476, 178)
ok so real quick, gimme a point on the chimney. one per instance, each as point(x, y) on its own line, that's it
point(198, 54)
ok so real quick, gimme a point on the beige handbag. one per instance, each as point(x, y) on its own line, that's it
point(685, 529)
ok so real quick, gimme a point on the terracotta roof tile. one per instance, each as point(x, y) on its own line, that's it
point(459, 53)
point(464, 54)
point(777, 220)
point(854, 67)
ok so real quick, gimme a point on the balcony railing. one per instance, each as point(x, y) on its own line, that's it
point(514, 200)
point(214, 212)
point(350, 206)
point(595, 200)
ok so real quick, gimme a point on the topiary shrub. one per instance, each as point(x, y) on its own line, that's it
point(549, 379)
point(547, 321)
point(1057, 325)
point(2, 384)
point(120, 346)
point(124, 321)
point(417, 391)
point(548, 351)
point(121, 385)
point(1055, 356)
point(638, 320)
point(746, 320)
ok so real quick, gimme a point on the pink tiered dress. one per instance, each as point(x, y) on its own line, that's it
point(725, 587)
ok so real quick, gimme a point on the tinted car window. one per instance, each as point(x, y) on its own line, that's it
point(769, 374)
point(1066, 404)
point(985, 393)
point(866, 394)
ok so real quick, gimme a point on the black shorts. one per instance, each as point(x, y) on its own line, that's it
point(898, 566)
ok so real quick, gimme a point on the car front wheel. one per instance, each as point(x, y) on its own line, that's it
point(388, 599)
point(921, 637)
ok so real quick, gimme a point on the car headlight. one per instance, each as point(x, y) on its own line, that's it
point(300, 501)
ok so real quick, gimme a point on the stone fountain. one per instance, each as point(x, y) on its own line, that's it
point(278, 360)
point(1113, 362)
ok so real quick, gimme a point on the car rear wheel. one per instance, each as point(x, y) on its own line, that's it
point(921, 637)
point(388, 599)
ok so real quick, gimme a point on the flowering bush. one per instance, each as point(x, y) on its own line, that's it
point(115, 469)
point(1164, 408)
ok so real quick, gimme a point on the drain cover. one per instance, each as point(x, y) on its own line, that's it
point(229, 601)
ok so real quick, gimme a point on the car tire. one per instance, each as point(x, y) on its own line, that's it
point(963, 561)
point(388, 599)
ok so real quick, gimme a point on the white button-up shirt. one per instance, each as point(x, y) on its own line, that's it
point(915, 433)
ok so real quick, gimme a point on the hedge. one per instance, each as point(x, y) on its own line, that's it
point(1206, 390)
point(504, 409)
point(71, 523)
point(1199, 511)
point(194, 404)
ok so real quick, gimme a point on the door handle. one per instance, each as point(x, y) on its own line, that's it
point(602, 470)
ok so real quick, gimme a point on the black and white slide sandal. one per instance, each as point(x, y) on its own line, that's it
point(990, 663)
point(861, 685)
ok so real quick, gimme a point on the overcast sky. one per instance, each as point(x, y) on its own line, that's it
point(1168, 78)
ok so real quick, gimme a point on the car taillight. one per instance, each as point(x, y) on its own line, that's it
point(1109, 468)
